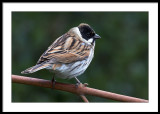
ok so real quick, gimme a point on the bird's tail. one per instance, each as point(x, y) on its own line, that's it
point(35, 68)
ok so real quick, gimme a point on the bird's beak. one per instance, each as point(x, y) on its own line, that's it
point(96, 36)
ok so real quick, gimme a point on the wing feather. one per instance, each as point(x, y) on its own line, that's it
point(66, 49)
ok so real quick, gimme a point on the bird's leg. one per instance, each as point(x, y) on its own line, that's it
point(53, 82)
point(77, 80)
point(78, 83)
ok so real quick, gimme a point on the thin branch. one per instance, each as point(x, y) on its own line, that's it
point(80, 90)
point(84, 98)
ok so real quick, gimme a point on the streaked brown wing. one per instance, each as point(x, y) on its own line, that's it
point(65, 49)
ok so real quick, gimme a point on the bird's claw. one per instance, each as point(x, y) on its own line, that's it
point(81, 85)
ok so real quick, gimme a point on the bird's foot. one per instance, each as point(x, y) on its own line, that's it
point(79, 84)
point(85, 84)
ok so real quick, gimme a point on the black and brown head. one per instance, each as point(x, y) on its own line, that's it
point(88, 33)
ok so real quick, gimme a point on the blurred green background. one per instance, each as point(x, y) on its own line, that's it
point(120, 64)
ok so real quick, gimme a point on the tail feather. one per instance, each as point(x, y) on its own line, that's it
point(35, 68)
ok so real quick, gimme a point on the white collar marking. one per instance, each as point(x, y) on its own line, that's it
point(76, 30)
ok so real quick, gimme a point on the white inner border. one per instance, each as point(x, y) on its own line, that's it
point(152, 8)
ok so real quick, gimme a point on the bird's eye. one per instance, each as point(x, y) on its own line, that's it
point(89, 34)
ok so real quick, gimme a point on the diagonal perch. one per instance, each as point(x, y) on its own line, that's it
point(81, 90)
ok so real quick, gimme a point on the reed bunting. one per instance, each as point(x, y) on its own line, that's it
point(70, 54)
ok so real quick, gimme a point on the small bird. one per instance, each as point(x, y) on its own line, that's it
point(70, 54)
